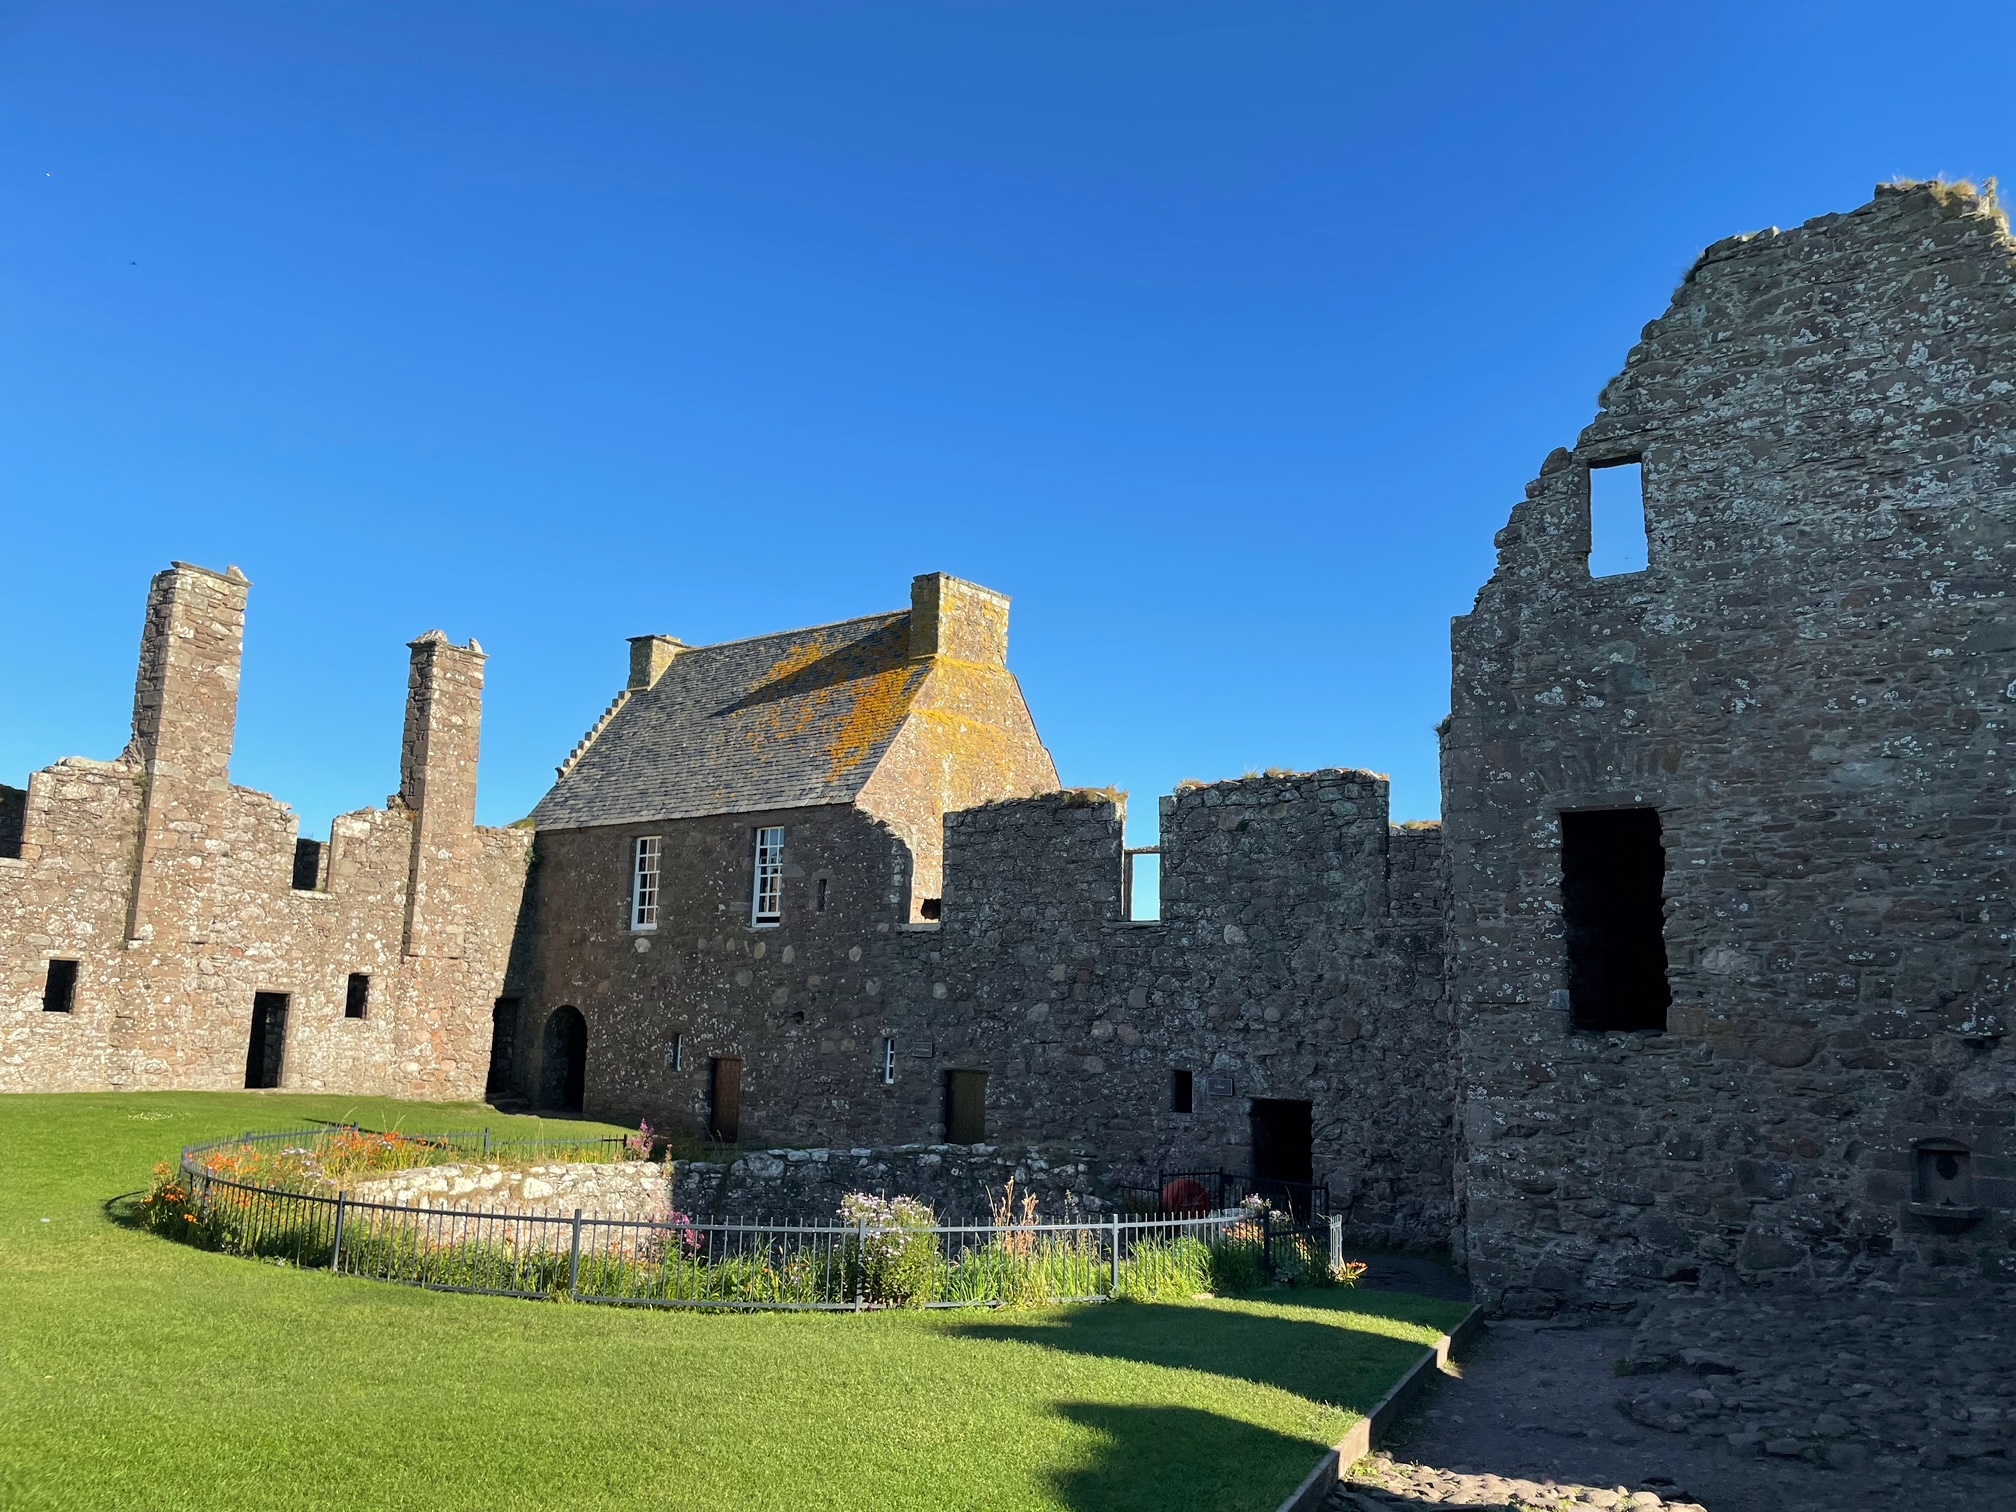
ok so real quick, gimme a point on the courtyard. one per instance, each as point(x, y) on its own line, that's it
point(141, 1373)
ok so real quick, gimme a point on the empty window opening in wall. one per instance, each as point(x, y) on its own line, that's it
point(59, 988)
point(563, 1069)
point(13, 820)
point(819, 897)
point(1942, 1174)
point(888, 1062)
point(266, 1053)
point(675, 1053)
point(644, 882)
point(307, 865)
point(931, 909)
point(965, 1107)
point(503, 1045)
point(1182, 1092)
point(769, 900)
point(724, 1099)
point(1141, 883)
point(1619, 540)
point(1283, 1151)
point(357, 996)
point(1613, 870)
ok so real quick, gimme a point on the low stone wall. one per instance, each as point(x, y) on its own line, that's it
point(632, 1189)
point(956, 1180)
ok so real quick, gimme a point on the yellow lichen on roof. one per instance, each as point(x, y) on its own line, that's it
point(880, 702)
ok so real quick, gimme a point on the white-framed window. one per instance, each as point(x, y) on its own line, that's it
point(644, 882)
point(888, 1062)
point(769, 900)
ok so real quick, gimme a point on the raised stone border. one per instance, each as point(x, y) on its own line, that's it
point(1358, 1441)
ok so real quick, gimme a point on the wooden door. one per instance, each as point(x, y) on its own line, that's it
point(724, 1112)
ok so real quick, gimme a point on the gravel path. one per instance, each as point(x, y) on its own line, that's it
point(1534, 1422)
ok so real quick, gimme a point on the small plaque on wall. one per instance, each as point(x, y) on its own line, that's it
point(1218, 1084)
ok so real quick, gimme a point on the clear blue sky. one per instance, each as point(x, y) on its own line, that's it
point(1221, 336)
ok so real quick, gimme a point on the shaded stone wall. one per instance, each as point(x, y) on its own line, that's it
point(959, 1182)
point(173, 891)
point(1279, 971)
point(1812, 683)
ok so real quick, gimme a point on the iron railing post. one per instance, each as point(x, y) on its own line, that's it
point(1336, 1243)
point(574, 1260)
point(1267, 1240)
point(336, 1250)
point(860, 1258)
point(1114, 1290)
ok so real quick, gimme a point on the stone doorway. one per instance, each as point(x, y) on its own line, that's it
point(1283, 1151)
point(265, 1055)
point(724, 1099)
point(564, 1067)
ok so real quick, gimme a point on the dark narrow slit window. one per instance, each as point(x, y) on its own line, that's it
point(1618, 536)
point(265, 1054)
point(59, 991)
point(965, 1107)
point(1613, 870)
point(357, 996)
point(1182, 1091)
point(503, 1045)
point(724, 1100)
point(307, 865)
point(819, 902)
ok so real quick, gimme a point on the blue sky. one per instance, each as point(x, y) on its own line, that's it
point(1221, 336)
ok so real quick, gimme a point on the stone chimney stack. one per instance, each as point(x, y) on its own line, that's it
point(650, 655)
point(437, 784)
point(185, 720)
point(957, 620)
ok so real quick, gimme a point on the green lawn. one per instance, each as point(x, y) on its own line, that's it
point(143, 1374)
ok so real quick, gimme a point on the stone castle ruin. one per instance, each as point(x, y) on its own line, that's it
point(1702, 982)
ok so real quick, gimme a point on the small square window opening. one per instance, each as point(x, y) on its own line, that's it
point(768, 905)
point(357, 996)
point(644, 882)
point(59, 990)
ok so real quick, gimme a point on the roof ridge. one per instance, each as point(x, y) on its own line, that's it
point(859, 619)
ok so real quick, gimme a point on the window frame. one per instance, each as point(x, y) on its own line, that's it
point(769, 880)
point(888, 1061)
point(646, 886)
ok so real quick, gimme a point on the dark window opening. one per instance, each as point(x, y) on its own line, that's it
point(1943, 1174)
point(819, 901)
point(357, 996)
point(563, 1069)
point(268, 1047)
point(1182, 1091)
point(13, 820)
point(307, 865)
point(965, 1107)
point(931, 908)
point(1619, 540)
point(724, 1099)
point(1613, 870)
point(1284, 1162)
point(503, 1045)
point(59, 992)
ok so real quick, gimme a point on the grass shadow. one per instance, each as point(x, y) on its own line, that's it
point(1319, 1361)
point(1173, 1459)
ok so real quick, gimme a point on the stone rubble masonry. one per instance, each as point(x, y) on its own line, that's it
point(1813, 684)
point(633, 1189)
point(173, 890)
point(958, 1182)
point(1279, 969)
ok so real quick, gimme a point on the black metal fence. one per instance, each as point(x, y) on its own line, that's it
point(681, 1262)
point(1181, 1191)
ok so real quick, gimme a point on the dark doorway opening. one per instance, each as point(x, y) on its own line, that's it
point(503, 1045)
point(1182, 1092)
point(564, 1069)
point(1613, 873)
point(1284, 1157)
point(268, 1048)
point(724, 1099)
point(965, 1107)
point(307, 865)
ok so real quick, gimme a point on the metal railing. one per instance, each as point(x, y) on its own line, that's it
point(1308, 1201)
point(682, 1262)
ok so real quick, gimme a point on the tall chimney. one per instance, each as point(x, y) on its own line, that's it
point(437, 783)
point(958, 620)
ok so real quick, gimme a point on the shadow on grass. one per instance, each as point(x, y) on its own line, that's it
point(1320, 1362)
point(1162, 1459)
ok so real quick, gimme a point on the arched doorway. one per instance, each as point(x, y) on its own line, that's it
point(564, 1067)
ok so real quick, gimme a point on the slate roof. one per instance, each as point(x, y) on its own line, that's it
point(781, 721)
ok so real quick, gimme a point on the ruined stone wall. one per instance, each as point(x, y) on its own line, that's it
point(958, 1182)
point(172, 889)
point(1813, 684)
point(1278, 971)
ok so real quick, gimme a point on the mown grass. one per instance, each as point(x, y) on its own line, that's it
point(143, 1374)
